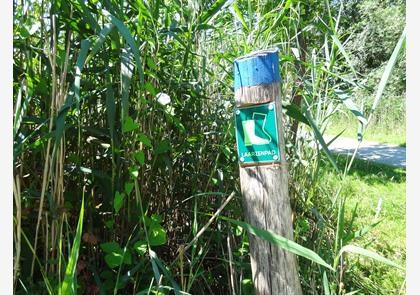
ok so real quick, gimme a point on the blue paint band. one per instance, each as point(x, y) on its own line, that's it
point(257, 68)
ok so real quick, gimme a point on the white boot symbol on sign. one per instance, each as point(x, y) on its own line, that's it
point(249, 131)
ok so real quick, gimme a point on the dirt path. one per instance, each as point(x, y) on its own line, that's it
point(387, 154)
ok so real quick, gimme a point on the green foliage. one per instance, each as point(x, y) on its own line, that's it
point(69, 284)
point(132, 101)
point(375, 201)
point(372, 39)
point(282, 242)
point(129, 125)
point(118, 201)
point(156, 233)
point(140, 247)
point(115, 256)
point(367, 253)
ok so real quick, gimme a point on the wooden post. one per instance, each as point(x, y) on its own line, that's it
point(264, 180)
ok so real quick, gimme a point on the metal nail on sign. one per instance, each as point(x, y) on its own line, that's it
point(256, 134)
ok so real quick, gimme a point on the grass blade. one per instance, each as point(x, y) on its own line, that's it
point(342, 50)
point(68, 286)
point(367, 253)
point(155, 259)
point(125, 32)
point(388, 69)
point(126, 74)
point(61, 118)
point(41, 268)
point(293, 111)
point(110, 109)
point(100, 41)
point(20, 111)
point(212, 11)
point(349, 103)
point(340, 227)
point(321, 140)
point(237, 12)
point(281, 242)
point(325, 284)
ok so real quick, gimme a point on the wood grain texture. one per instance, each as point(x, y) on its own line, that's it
point(256, 94)
point(267, 206)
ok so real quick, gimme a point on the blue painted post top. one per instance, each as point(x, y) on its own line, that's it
point(257, 68)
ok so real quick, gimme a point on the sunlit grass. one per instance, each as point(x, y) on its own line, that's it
point(380, 131)
point(379, 192)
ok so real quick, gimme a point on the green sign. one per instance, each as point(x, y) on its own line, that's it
point(256, 134)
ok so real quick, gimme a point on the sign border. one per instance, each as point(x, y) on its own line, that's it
point(254, 163)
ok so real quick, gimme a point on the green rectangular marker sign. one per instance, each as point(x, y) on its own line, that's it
point(256, 134)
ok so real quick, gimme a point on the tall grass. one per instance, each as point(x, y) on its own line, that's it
point(132, 101)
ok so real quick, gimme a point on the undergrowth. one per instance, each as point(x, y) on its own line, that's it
point(125, 168)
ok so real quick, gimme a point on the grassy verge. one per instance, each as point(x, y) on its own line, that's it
point(381, 132)
point(379, 193)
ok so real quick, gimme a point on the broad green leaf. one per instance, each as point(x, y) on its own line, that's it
point(157, 235)
point(129, 125)
point(150, 88)
point(118, 201)
point(141, 137)
point(163, 147)
point(69, 284)
point(140, 247)
point(134, 172)
point(127, 258)
point(115, 255)
point(281, 242)
point(156, 218)
point(247, 287)
point(151, 63)
point(128, 188)
point(110, 247)
point(115, 259)
point(110, 223)
point(139, 155)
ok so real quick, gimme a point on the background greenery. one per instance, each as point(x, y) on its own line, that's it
point(372, 29)
point(124, 144)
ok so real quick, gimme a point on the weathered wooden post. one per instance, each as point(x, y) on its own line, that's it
point(263, 170)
